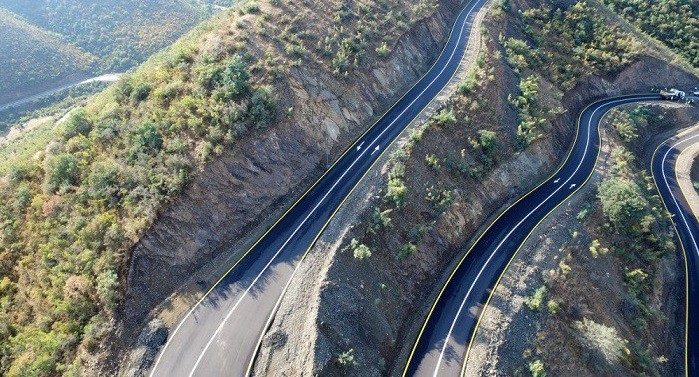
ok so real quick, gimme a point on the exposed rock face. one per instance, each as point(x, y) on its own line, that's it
point(236, 197)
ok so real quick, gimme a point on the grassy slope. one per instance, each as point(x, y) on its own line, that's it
point(31, 55)
point(70, 213)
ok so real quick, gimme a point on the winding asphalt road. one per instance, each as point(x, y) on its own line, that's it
point(446, 336)
point(687, 228)
point(221, 334)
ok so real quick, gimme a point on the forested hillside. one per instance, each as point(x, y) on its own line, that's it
point(121, 33)
point(74, 205)
point(673, 22)
point(30, 54)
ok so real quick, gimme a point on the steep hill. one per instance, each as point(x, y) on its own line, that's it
point(30, 56)
point(194, 151)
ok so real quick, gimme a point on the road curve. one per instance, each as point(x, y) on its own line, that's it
point(687, 228)
point(445, 338)
point(221, 334)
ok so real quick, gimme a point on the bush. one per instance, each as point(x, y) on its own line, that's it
point(382, 51)
point(406, 250)
point(76, 124)
point(107, 289)
point(445, 118)
point(397, 192)
point(346, 358)
point(552, 306)
point(360, 251)
point(604, 343)
point(102, 183)
point(61, 172)
point(622, 202)
point(596, 248)
point(140, 92)
point(536, 300)
point(379, 220)
point(536, 368)
point(432, 161)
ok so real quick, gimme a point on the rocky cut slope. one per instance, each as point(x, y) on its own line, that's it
point(506, 127)
point(173, 171)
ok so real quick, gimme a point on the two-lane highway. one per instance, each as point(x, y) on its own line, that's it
point(221, 334)
point(446, 336)
point(663, 167)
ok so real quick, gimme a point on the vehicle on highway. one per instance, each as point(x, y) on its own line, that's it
point(673, 94)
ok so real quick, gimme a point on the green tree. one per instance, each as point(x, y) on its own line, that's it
point(61, 172)
point(76, 124)
point(622, 201)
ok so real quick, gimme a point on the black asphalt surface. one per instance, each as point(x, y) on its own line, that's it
point(663, 169)
point(221, 334)
point(441, 348)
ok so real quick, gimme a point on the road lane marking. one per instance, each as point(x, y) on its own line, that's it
point(587, 142)
point(667, 184)
point(684, 255)
point(360, 146)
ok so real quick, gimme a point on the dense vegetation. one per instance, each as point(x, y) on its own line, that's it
point(674, 22)
point(29, 54)
point(561, 45)
point(74, 199)
point(121, 33)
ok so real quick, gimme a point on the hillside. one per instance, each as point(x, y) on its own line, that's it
point(505, 126)
point(53, 43)
point(31, 55)
point(120, 33)
point(673, 22)
point(132, 195)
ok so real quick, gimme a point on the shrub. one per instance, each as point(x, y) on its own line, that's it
point(61, 172)
point(359, 250)
point(432, 161)
point(107, 289)
point(382, 51)
point(603, 342)
point(552, 306)
point(596, 248)
point(76, 124)
point(397, 192)
point(406, 250)
point(445, 118)
point(622, 201)
point(102, 182)
point(536, 300)
point(379, 220)
point(439, 198)
point(486, 141)
point(346, 358)
point(536, 368)
point(140, 92)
